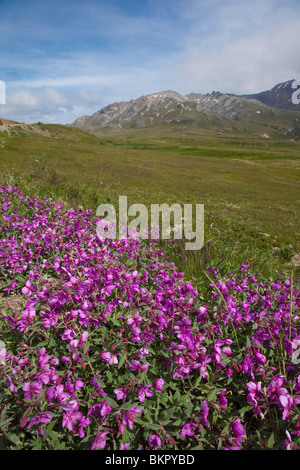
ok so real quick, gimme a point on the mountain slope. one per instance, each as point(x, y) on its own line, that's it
point(280, 96)
point(156, 109)
point(144, 109)
point(227, 105)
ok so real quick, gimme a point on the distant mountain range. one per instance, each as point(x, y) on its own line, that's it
point(272, 109)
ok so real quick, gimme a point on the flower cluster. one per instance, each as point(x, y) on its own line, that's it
point(114, 349)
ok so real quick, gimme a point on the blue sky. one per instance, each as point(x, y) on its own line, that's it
point(64, 59)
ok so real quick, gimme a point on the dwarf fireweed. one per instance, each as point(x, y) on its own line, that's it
point(106, 345)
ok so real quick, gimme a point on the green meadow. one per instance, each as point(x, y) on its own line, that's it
point(249, 184)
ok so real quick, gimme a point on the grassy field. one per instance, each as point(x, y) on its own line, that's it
point(249, 184)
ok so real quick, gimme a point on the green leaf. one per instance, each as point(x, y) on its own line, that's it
point(51, 425)
point(213, 395)
point(127, 435)
point(270, 442)
point(13, 438)
point(36, 445)
point(177, 423)
point(2, 444)
point(111, 401)
point(225, 359)
point(198, 447)
point(164, 422)
point(43, 343)
point(197, 381)
point(121, 361)
point(189, 408)
point(169, 413)
point(109, 376)
point(8, 420)
point(155, 427)
point(244, 410)
point(3, 415)
point(127, 406)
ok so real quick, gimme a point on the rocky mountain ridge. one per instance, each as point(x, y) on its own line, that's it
point(280, 96)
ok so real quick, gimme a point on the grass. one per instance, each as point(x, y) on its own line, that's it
point(249, 184)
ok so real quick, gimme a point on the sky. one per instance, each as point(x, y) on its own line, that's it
point(63, 59)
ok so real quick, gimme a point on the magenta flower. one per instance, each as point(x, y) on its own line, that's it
point(11, 385)
point(109, 358)
point(40, 418)
point(68, 334)
point(124, 445)
point(100, 409)
point(99, 442)
point(143, 352)
point(96, 382)
point(223, 399)
point(31, 389)
point(129, 416)
point(286, 403)
point(232, 448)
point(187, 429)
point(78, 384)
point(57, 393)
point(158, 384)
point(29, 312)
point(4, 356)
point(27, 289)
point(144, 392)
point(43, 358)
point(254, 396)
point(287, 443)
point(70, 418)
point(121, 395)
point(260, 357)
point(137, 366)
point(135, 330)
point(204, 413)
point(83, 423)
point(136, 320)
point(238, 430)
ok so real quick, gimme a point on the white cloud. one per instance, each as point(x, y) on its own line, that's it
point(49, 105)
point(254, 60)
point(235, 46)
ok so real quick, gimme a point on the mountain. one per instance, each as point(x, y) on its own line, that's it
point(227, 105)
point(134, 113)
point(280, 96)
point(216, 109)
point(167, 108)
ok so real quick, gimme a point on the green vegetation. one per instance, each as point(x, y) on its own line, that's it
point(248, 183)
